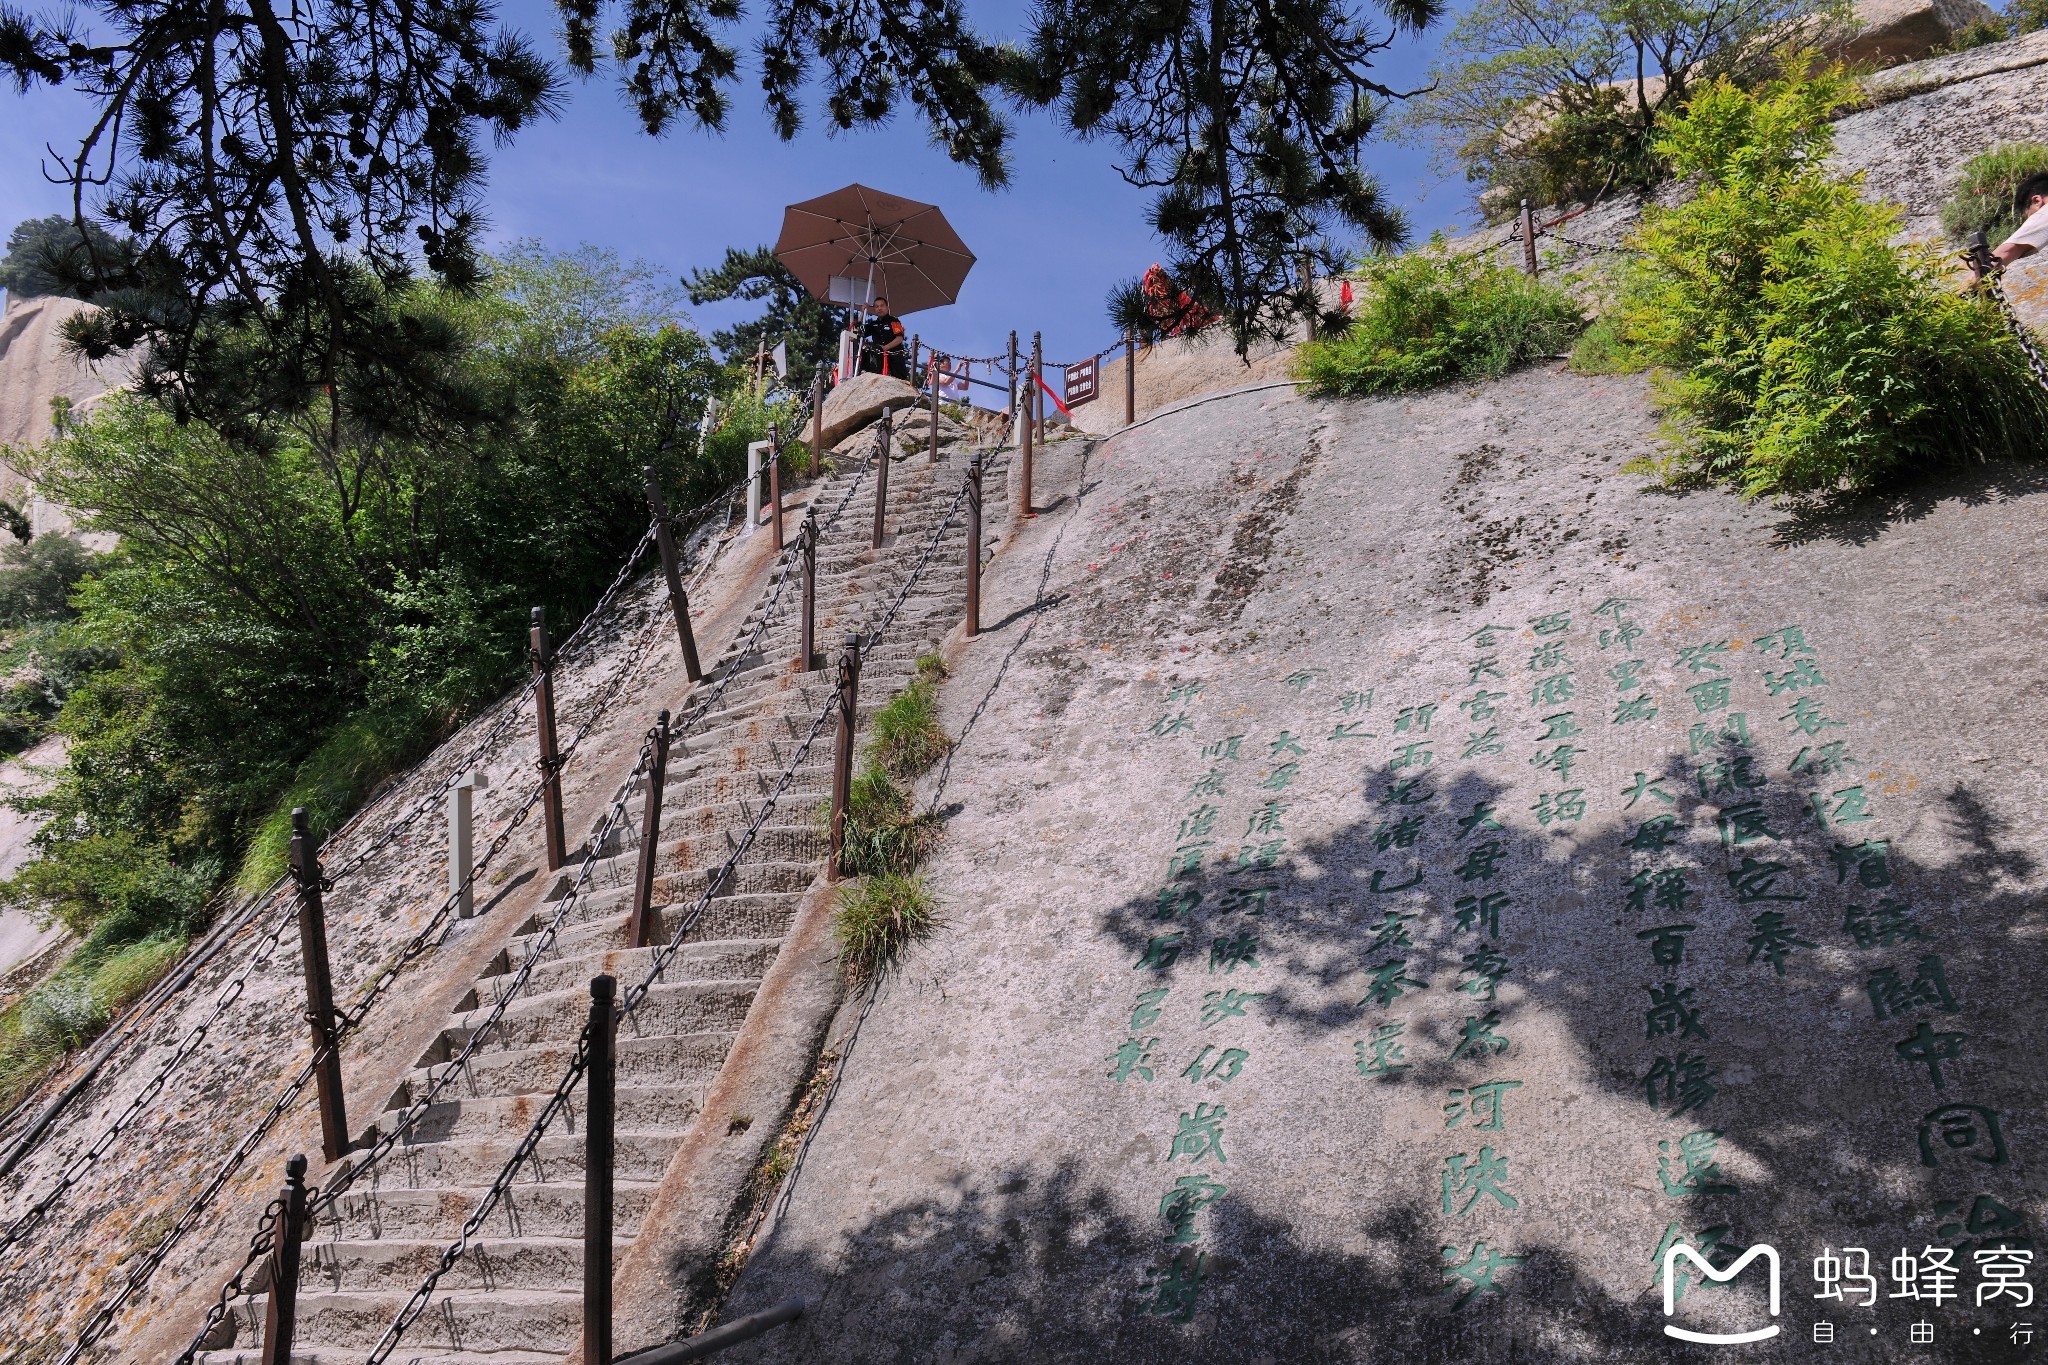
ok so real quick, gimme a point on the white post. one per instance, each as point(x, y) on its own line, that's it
point(460, 843)
point(847, 340)
point(1017, 408)
point(758, 455)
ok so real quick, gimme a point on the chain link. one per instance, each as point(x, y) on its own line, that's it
point(1996, 282)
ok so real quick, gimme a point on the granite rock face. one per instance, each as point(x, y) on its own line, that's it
point(859, 401)
point(1889, 31)
point(1404, 873)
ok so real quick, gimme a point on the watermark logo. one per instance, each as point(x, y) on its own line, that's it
point(1768, 1253)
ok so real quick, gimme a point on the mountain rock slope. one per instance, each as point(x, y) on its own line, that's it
point(1404, 873)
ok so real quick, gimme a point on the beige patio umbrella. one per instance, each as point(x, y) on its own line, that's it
point(905, 250)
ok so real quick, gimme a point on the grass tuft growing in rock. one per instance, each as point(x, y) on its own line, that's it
point(908, 738)
point(1982, 201)
point(884, 832)
point(878, 918)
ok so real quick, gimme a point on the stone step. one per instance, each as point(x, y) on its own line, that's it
point(558, 1016)
point(473, 1163)
point(690, 1060)
point(513, 1112)
point(529, 1209)
point(496, 1264)
point(568, 965)
point(776, 910)
point(468, 1320)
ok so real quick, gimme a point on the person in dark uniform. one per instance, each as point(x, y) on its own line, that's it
point(881, 342)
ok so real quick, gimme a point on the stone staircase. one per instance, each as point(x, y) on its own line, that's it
point(516, 1295)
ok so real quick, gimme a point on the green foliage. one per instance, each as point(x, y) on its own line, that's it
point(51, 256)
point(745, 416)
point(1249, 123)
point(351, 761)
point(906, 737)
point(2021, 16)
point(300, 604)
point(1982, 200)
point(37, 578)
point(1426, 319)
point(1806, 351)
point(807, 327)
point(1561, 100)
point(880, 916)
point(1603, 349)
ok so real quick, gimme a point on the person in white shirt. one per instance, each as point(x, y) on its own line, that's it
point(2030, 201)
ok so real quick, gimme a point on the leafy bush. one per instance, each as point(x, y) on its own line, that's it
point(1806, 352)
point(110, 968)
point(878, 918)
point(303, 600)
point(1428, 319)
point(744, 417)
point(1982, 201)
point(2021, 16)
point(37, 578)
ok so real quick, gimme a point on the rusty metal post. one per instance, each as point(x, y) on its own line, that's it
point(1528, 240)
point(1029, 399)
point(807, 631)
point(672, 568)
point(1130, 377)
point(916, 352)
point(775, 480)
point(882, 476)
point(1037, 379)
point(842, 757)
point(973, 547)
point(601, 1104)
point(1012, 375)
point(305, 869)
point(281, 1313)
point(818, 424)
point(642, 916)
point(542, 655)
point(933, 375)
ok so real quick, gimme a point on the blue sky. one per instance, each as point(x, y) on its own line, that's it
point(1048, 248)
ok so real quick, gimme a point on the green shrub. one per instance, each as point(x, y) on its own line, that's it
point(1603, 349)
point(1428, 319)
point(1805, 351)
point(2021, 16)
point(745, 416)
point(1982, 201)
point(350, 762)
point(878, 917)
point(37, 578)
point(907, 737)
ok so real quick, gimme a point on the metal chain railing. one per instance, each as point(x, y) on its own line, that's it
point(459, 771)
point(352, 1019)
point(238, 1285)
point(1994, 281)
point(348, 1020)
point(416, 1305)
